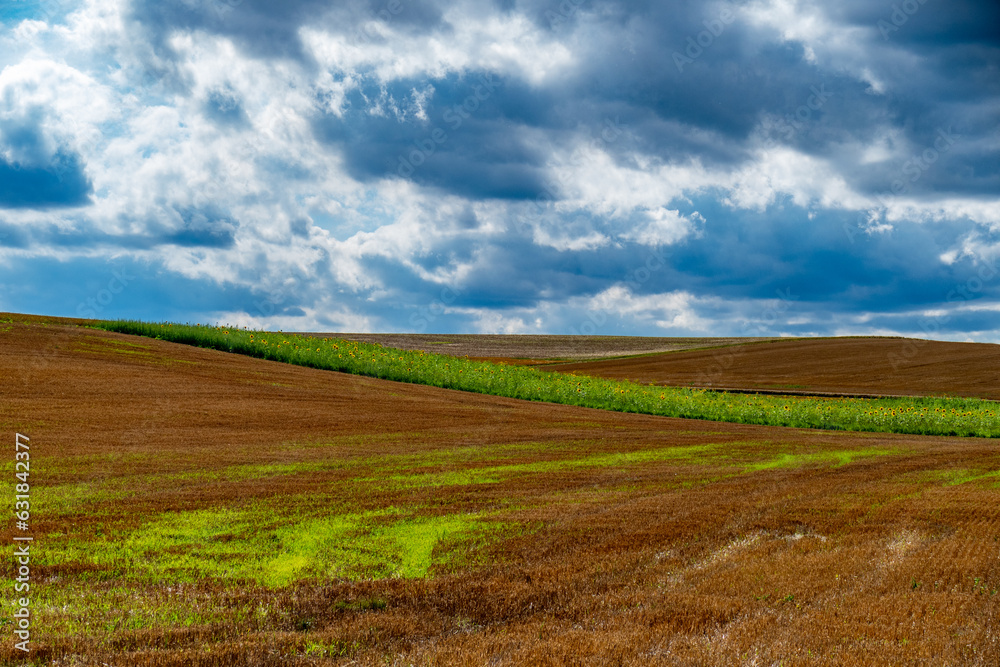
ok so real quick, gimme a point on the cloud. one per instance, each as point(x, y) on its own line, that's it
point(61, 182)
point(689, 168)
point(49, 115)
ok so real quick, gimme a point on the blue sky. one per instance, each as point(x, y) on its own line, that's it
point(772, 167)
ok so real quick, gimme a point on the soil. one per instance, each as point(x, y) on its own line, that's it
point(851, 366)
point(879, 562)
point(537, 349)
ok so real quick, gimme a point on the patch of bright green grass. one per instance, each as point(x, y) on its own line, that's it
point(916, 415)
point(964, 476)
point(836, 458)
point(249, 544)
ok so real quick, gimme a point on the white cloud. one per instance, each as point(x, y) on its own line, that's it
point(489, 322)
point(664, 227)
point(826, 43)
point(590, 179)
point(69, 105)
point(503, 44)
point(808, 180)
point(671, 311)
point(321, 319)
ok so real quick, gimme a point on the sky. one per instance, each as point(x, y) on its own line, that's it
point(655, 168)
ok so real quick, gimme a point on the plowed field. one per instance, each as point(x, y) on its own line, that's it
point(192, 507)
point(855, 366)
point(537, 349)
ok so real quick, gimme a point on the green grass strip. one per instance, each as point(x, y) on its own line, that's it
point(913, 415)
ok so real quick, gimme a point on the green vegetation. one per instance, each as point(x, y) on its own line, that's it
point(251, 544)
point(915, 415)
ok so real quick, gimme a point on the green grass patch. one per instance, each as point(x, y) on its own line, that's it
point(834, 458)
point(915, 415)
point(252, 544)
point(964, 476)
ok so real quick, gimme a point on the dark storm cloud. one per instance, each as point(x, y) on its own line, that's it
point(925, 23)
point(466, 145)
point(690, 80)
point(627, 77)
point(33, 176)
point(939, 62)
point(59, 183)
point(674, 74)
point(739, 77)
point(750, 255)
point(205, 228)
point(270, 29)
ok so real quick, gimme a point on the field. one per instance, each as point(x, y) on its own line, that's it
point(195, 507)
point(538, 349)
point(968, 417)
point(854, 366)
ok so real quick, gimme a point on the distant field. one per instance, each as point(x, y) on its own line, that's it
point(193, 507)
point(894, 366)
point(537, 348)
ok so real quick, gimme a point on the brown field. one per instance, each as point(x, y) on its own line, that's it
point(538, 349)
point(626, 539)
point(865, 366)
